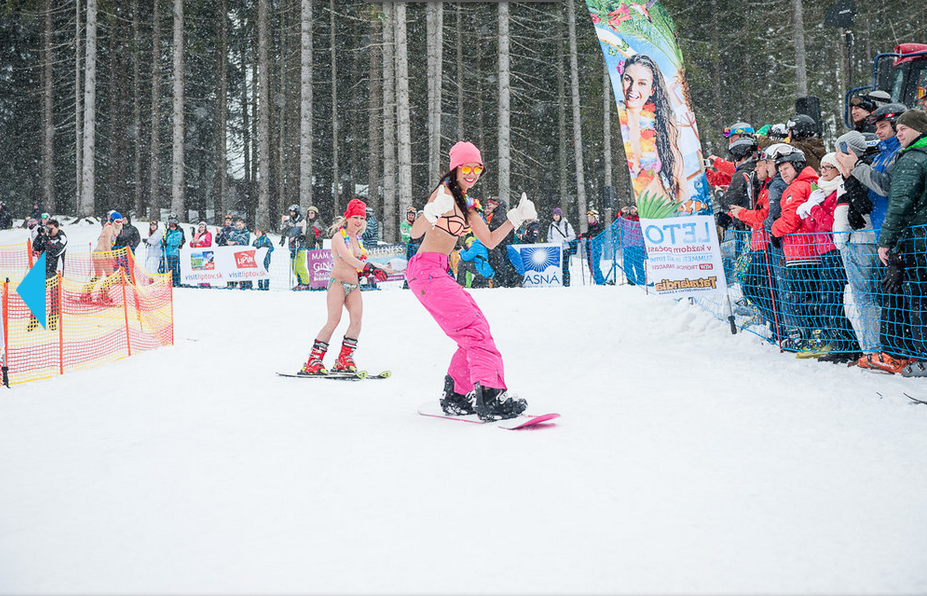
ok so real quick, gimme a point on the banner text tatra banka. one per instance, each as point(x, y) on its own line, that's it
point(662, 145)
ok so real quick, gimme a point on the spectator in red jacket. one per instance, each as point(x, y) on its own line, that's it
point(802, 261)
point(818, 214)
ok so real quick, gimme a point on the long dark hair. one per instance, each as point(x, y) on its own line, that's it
point(456, 192)
point(665, 122)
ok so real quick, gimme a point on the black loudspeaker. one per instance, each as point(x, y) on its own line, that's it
point(608, 197)
point(810, 106)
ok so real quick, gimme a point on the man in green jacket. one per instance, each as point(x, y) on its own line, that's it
point(904, 231)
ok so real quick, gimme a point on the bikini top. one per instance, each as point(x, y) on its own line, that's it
point(455, 224)
point(360, 243)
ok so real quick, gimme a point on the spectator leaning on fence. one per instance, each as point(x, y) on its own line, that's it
point(102, 258)
point(903, 240)
point(802, 262)
point(222, 239)
point(759, 285)
point(241, 237)
point(818, 213)
point(202, 238)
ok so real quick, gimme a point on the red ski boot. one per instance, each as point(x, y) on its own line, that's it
point(314, 365)
point(345, 362)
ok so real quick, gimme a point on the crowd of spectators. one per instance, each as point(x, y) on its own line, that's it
point(830, 246)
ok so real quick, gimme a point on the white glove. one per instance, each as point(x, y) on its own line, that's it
point(804, 210)
point(523, 212)
point(443, 203)
point(816, 197)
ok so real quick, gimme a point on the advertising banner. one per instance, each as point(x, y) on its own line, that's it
point(648, 78)
point(662, 145)
point(221, 264)
point(539, 264)
point(391, 257)
point(683, 256)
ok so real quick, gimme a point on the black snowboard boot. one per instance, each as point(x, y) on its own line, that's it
point(453, 403)
point(495, 404)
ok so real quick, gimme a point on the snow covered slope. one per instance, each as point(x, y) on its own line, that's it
point(686, 460)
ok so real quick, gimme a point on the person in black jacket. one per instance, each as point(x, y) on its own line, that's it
point(52, 241)
point(6, 218)
point(506, 274)
point(128, 238)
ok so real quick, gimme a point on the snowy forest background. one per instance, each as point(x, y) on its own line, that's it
point(273, 102)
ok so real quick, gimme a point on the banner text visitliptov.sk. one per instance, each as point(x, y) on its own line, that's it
point(222, 264)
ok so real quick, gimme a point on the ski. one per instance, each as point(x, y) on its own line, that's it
point(433, 409)
point(360, 375)
point(914, 400)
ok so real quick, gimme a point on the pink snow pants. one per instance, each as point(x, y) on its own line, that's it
point(455, 311)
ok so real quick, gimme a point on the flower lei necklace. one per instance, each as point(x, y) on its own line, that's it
point(471, 202)
point(360, 243)
point(649, 165)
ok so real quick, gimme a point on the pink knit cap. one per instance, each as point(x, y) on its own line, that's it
point(465, 152)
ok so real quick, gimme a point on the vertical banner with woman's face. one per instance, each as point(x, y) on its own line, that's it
point(662, 145)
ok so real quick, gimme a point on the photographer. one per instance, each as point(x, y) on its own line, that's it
point(53, 242)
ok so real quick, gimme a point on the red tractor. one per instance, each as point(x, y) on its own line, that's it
point(901, 73)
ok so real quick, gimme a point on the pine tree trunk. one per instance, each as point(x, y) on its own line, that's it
point(435, 44)
point(460, 73)
point(220, 186)
point(564, 174)
point(154, 179)
point(389, 116)
point(374, 109)
point(798, 33)
point(402, 109)
point(336, 174)
point(246, 102)
point(263, 99)
point(78, 114)
point(138, 195)
point(607, 107)
point(87, 205)
point(177, 139)
point(48, 112)
point(577, 123)
point(504, 117)
point(305, 109)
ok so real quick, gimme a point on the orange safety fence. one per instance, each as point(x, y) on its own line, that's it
point(103, 308)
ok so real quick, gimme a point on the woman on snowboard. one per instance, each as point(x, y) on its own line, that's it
point(475, 380)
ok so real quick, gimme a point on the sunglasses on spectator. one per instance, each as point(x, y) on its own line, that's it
point(921, 92)
point(827, 167)
point(465, 170)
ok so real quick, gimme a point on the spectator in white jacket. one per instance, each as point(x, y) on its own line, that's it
point(561, 231)
point(154, 255)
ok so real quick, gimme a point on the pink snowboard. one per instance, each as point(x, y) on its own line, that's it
point(433, 409)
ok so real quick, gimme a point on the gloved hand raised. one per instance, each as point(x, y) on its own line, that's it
point(444, 202)
point(523, 212)
point(371, 269)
